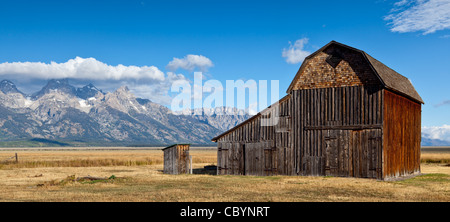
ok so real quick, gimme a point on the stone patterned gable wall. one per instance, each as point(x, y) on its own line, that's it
point(350, 69)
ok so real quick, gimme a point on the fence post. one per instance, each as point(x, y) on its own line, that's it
point(17, 158)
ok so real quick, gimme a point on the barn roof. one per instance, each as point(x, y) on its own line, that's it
point(249, 119)
point(389, 78)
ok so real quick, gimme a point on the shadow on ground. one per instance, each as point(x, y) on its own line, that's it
point(209, 171)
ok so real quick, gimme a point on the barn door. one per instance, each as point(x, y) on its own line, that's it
point(222, 159)
point(339, 152)
point(375, 141)
point(331, 152)
point(270, 161)
point(352, 153)
point(374, 153)
point(366, 147)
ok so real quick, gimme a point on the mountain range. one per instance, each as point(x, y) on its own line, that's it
point(436, 135)
point(64, 114)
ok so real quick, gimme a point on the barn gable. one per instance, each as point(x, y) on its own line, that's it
point(339, 65)
point(335, 66)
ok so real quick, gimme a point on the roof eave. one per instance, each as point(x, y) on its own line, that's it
point(405, 95)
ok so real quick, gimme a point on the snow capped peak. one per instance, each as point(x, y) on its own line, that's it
point(56, 85)
point(8, 87)
point(88, 91)
point(83, 103)
point(6, 82)
point(123, 89)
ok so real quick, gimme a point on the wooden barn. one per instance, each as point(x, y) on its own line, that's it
point(176, 159)
point(345, 114)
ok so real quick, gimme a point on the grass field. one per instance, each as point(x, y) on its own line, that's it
point(136, 176)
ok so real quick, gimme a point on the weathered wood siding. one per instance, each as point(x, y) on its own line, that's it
point(402, 135)
point(326, 131)
point(176, 159)
point(338, 131)
point(255, 148)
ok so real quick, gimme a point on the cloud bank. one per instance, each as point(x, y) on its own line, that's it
point(437, 132)
point(190, 63)
point(144, 81)
point(80, 68)
point(155, 91)
point(295, 53)
point(427, 16)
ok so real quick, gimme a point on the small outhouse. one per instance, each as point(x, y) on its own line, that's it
point(176, 159)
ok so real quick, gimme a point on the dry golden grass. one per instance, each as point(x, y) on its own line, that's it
point(50, 179)
point(95, 158)
point(435, 158)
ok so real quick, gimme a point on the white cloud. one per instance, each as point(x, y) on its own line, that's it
point(437, 132)
point(157, 92)
point(401, 3)
point(80, 68)
point(252, 109)
point(427, 16)
point(190, 62)
point(144, 81)
point(295, 53)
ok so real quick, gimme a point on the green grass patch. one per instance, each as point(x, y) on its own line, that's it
point(433, 177)
point(426, 179)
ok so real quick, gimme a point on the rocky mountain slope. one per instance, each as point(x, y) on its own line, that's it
point(87, 115)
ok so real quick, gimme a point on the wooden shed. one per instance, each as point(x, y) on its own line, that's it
point(176, 159)
point(345, 114)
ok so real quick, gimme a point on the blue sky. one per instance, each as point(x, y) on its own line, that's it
point(236, 39)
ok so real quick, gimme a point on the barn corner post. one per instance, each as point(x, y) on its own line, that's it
point(345, 114)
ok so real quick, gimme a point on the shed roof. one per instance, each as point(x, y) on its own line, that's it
point(388, 77)
point(175, 145)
